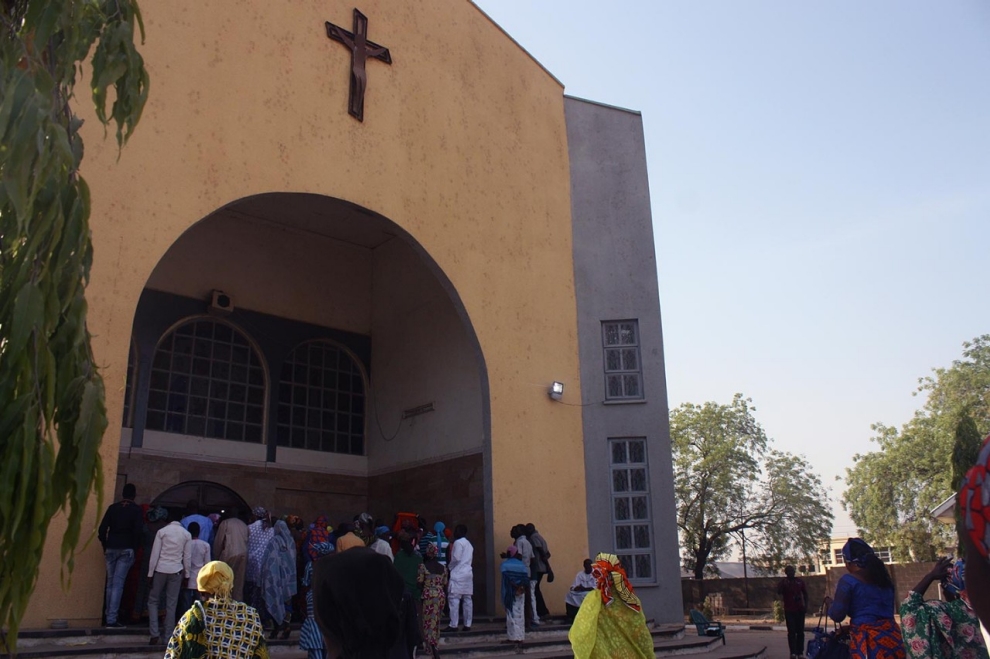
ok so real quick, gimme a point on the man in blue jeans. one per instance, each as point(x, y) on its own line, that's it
point(120, 533)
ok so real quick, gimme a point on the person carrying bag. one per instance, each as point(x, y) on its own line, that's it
point(826, 644)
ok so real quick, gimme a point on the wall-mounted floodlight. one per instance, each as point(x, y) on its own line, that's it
point(556, 390)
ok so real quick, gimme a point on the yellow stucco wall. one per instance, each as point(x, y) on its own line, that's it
point(463, 145)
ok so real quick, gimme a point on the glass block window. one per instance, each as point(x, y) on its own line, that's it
point(128, 421)
point(623, 371)
point(631, 519)
point(207, 381)
point(321, 400)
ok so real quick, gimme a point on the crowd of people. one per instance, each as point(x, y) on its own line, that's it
point(364, 589)
point(157, 562)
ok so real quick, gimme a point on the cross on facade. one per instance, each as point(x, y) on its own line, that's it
point(361, 50)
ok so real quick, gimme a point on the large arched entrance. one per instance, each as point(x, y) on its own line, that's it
point(211, 498)
point(309, 355)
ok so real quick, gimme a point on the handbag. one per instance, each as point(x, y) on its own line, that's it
point(826, 644)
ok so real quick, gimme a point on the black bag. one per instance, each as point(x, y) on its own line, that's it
point(826, 644)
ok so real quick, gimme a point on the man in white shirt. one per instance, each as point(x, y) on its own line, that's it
point(583, 584)
point(165, 569)
point(461, 579)
point(525, 548)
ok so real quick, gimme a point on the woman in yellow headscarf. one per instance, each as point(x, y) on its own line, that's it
point(610, 623)
point(220, 628)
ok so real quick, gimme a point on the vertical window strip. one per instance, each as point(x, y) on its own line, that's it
point(631, 519)
point(623, 370)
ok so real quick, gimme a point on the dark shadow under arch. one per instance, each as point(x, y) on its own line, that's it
point(211, 497)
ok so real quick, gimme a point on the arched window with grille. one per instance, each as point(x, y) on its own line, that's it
point(207, 380)
point(321, 400)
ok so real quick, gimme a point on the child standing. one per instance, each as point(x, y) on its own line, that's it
point(194, 557)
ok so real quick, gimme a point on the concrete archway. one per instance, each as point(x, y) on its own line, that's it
point(304, 269)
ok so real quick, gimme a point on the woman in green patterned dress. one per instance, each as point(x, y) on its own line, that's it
point(935, 629)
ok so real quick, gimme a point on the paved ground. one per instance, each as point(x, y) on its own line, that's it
point(775, 642)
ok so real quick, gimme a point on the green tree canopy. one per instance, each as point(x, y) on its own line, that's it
point(53, 413)
point(728, 480)
point(891, 492)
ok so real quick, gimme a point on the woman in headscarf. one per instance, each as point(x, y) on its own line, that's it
point(310, 638)
point(515, 581)
point(442, 542)
point(219, 627)
point(974, 509)
point(432, 580)
point(381, 544)
point(866, 595)
point(278, 578)
point(319, 533)
point(260, 533)
point(941, 630)
point(360, 606)
point(610, 622)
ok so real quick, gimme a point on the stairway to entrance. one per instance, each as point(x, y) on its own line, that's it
point(486, 639)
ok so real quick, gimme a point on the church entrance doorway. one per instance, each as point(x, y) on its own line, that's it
point(308, 355)
point(211, 497)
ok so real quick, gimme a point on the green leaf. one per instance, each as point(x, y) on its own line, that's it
point(29, 307)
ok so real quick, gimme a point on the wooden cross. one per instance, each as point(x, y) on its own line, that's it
point(361, 50)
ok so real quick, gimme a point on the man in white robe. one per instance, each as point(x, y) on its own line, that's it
point(461, 589)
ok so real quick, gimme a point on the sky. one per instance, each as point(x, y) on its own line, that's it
point(819, 180)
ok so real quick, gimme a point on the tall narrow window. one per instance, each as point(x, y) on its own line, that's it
point(631, 520)
point(207, 381)
point(623, 372)
point(321, 400)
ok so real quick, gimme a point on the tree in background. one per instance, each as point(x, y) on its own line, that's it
point(53, 414)
point(729, 481)
point(891, 492)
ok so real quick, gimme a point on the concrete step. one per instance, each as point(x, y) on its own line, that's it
point(486, 639)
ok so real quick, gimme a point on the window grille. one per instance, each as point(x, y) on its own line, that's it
point(321, 400)
point(631, 518)
point(207, 381)
point(623, 370)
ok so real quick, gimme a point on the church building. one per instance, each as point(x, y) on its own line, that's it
point(373, 258)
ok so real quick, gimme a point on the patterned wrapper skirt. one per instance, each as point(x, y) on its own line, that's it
point(876, 640)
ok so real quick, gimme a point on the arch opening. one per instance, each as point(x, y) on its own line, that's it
point(374, 394)
point(211, 498)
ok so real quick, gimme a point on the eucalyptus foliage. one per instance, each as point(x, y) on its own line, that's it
point(52, 412)
point(891, 492)
point(729, 481)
